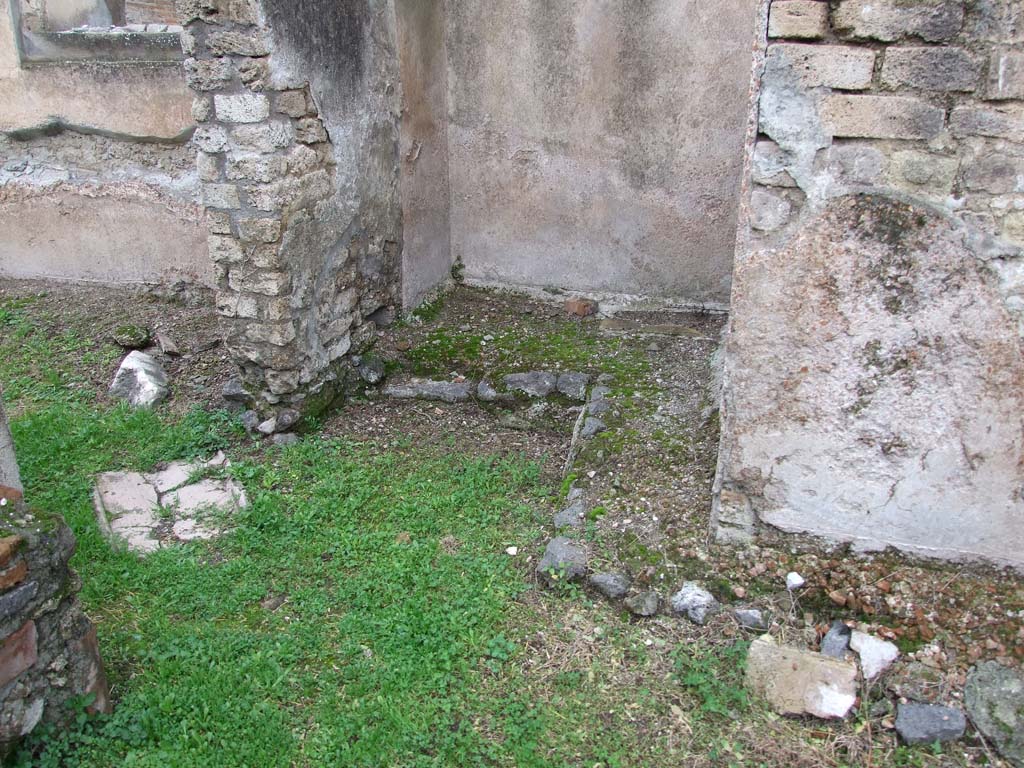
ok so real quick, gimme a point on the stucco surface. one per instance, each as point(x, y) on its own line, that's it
point(110, 233)
point(598, 145)
point(136, 100)
point(427, 254)
point(880, 400)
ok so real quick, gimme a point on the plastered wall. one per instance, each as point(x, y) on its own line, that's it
point(97, 179)
point(598, 146)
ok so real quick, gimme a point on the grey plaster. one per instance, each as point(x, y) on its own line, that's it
point(598, 146)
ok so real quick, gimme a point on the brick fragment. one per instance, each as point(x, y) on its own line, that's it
point(10, 495)
point(798, 19)
point(18, 653)
point(881, 117)
point(581, 307)
point(8, 547)
point(13, 575)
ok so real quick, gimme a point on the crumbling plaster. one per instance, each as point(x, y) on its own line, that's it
point(873, 360)
point(96, 178)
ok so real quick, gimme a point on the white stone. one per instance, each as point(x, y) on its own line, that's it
point(140, 380)
point(794, 580)
point(241, 108)
point(210, 495)
point(695, 602)
point(876, 655)
point(800, 682)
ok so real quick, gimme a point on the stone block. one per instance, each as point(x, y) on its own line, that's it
point(998, 122)
point(226, 42)
point(267, 137)
point(768, 211)
point(266, 256)
point(890, 20)
point(856, 163)
point(798, 19)
point(309, 130)
point(263, 283)
point(254, 73)
point(202, 109)
point(1013, 227)
point(208, 74)
point(208, 167)
point(931, 69)
point(255, 167)
point(278, 334)
point(18, 653)
point(881, 117)
point(218, 222)
point(221, 196)
point(1005, 75)
point(241, 107)
point(994, 172)
point(292, 103)
point(276, 309)
point(263, 230)
point(799, 682)
point(224, 250)
point(234, 305)
point(845, 67)
point(923, 169)
point(210, 138)
point(770, 164)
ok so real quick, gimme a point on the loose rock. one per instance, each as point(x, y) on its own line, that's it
point(286, 438)
point(695, 602)
point(644, 604)
point(287, 418)
point(268, 427)
point(611, 585)
point(751, 618)
point(799, 682)
point(581, 307)
point(571, 516)
point(836, 641)
point(167, 345)
point(574, 385)
point(234, 392)
point(371, 369)
point(131, 336)
point(592, 427)
point(140, 380)
point(563, 561)
point(876, 655)
point(250, 420)
point(927, 723)
point(994, 696)
point(445, 391)
point(533, 384)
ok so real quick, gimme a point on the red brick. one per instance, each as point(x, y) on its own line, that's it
point(12, 495)
point(581, 307)
point(18, 653)
point(14, 575)
point(8, 546)
point(96, 680)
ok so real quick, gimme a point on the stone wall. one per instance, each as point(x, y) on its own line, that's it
point(873, 365)
point(298, 105)
point(49, 656)
point(96, 180)
point(598, 146)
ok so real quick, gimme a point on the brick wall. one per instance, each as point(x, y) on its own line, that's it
point(48, 649)
point(926, 98)
point(305, 248)
point(150, 12)
point(874, 364)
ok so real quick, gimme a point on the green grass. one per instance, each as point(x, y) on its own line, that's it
point(407, 637)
